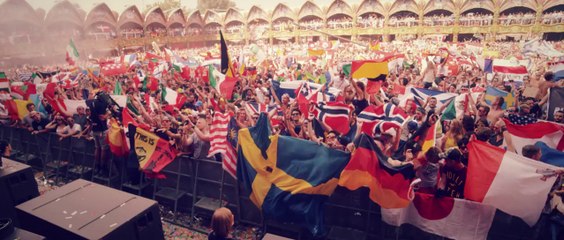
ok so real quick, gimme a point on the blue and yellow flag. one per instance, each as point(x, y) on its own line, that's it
point(492, 93)
point(288, 178)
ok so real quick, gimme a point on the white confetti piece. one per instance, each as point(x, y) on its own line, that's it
point(64, 212)
point(83, 212)
point(103, 216)
point(70, 225)
point(68, 217)
point(58, 199)
point(74, 213)
point(113, 225)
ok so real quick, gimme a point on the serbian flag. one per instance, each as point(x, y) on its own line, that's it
point(368, 167)
point(117, 140)
point(334, 115)
point(514, 184)
point(452, 218)
point(382, 117)
point(548, 132)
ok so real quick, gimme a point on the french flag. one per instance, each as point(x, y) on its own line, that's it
point(514, 184)
point(334, 115)
point(548, 132)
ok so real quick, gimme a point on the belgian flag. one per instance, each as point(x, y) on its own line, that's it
point(226, 66)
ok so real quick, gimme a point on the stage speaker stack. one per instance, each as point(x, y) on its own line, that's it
point(17, 185)
point(86, 210)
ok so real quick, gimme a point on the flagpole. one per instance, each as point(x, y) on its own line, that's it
point(331, 35)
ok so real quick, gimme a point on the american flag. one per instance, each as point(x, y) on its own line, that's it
point(383, 117)
point(221, 134)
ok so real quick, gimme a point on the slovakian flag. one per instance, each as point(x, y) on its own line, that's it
point(72, 53)
point(335, 115)
point(117, 140)
point(153, 152)
point(368, 167)
point(514, 184)
point(382, 117)
point(452, 218)
point(548, 132)
point(555, 101)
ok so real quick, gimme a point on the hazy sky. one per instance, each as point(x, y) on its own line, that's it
point(120, 5)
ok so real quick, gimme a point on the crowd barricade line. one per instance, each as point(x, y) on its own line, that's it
point(205, 179)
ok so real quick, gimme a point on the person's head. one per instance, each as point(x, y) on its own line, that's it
point(80, 110)
point(524, 109)
point(498, 102)
point(549, 76)
point(35, 116)
point(331, 137)
point(70, 121)
point(349, 93)
point(483, 111)
point(190, 97)
point(420, 113)
point(222, 221)
point(482, 122)
point(468, 123)
point(432, 155)
point(532, 152)
point(483, 134)
point(60, 120)
point(433, 102)
point(559, 116)
point(498, 127)
point(30, 107)
point(456, 127)
point(452, 88)
point(5, 149)
point(296, 114)
point(453, 157)
point(202, 122)
point(410, 107)
point(165, 122)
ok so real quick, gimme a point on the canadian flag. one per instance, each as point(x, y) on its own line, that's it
point(514, 184)
point(521, 135)
point(448, 217)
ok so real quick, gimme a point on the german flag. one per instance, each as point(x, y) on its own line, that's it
point(368, 167)
point(226, 65)
point(369, 69)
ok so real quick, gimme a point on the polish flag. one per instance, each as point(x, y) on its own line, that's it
point(548, 132)
point(514, 184)
point(448, 217)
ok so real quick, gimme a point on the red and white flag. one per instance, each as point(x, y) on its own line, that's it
point(448, 217)
point(113, 69)
point(219, 142)
point(514, 184)
point(513, 67)
point(548, 132)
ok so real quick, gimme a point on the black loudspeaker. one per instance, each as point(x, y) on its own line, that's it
point(17, 185)
point(86, 210)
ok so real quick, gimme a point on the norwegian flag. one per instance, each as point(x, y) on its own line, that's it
point(334, 114)
point(113, 69)
point(220, 142)
point(382, 117)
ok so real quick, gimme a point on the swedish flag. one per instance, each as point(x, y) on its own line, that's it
point(288, 178)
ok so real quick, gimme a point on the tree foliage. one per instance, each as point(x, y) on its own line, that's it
point(217, 5)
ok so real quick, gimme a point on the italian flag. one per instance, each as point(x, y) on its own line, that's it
point(550, 133)
point(514, 184)
point(72, 53)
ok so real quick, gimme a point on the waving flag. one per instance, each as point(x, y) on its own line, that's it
point(113, 69)
point(335, 115)
point(452, 218)
point(550, 155)
point(289, 179)
point(558, 69)
point(153, 152)
point(492, 93)
point(492, 172)
point(389, 186)
point(219, 136)
point(548, 132)
point(129, 59)
point(226, 65)
point(291, 88)
point(382, 117)
point(456, 108)
point(369, 69)
point(257, 108)
point(72, 53)
point(421, 95)
point(513, 68)
point(117, 140)
point(4, 83)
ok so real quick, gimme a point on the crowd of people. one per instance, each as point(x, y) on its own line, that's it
point(476, 19)
point(517, 18)
point(553, 17)
point(187, 126)
point(438, 20)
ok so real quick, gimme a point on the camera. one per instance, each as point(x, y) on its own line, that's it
point(101, 103)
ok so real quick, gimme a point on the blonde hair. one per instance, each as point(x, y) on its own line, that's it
point(222, 221)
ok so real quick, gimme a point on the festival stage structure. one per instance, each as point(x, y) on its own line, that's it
point(31, 33)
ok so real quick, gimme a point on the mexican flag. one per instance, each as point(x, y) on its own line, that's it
point(72, 53)
point(456, 107)
point(221, 82)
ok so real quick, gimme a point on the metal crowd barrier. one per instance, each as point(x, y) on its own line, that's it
point(199, 186)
